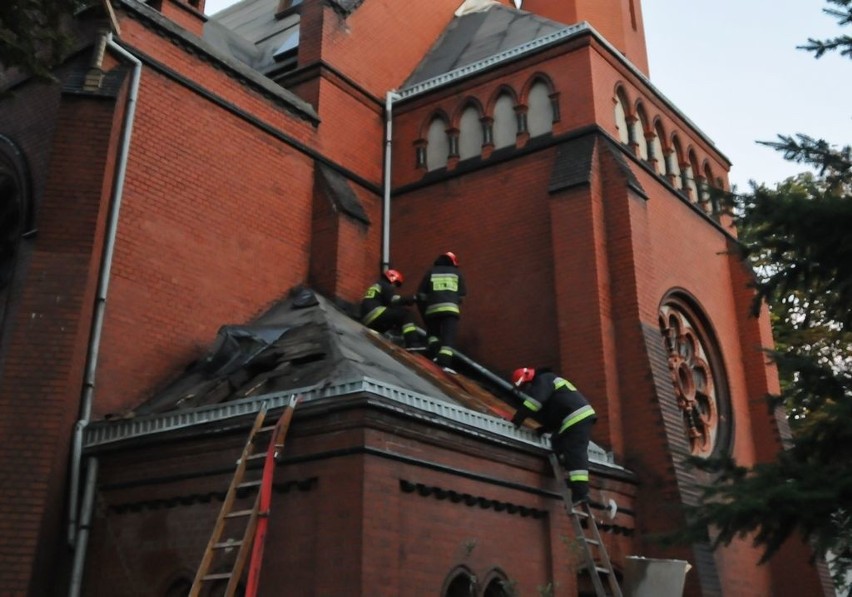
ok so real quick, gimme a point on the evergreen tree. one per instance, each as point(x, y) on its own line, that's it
point(798, 238)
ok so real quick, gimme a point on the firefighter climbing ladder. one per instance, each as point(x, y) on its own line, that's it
point(589, 541)
point(254, 520)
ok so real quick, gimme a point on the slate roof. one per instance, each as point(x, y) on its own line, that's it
point(475, 36)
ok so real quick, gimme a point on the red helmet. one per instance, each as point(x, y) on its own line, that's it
point(394, 277)
point(452, 257)
point(522, 376)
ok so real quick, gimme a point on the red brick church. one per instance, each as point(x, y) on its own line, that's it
point(193, 208)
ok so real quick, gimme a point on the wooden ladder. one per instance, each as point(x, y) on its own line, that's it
point(589, 542)
point(250, 523)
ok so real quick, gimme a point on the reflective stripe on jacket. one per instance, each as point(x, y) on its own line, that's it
point(442, 290)
point(554, 402)
point(377, 298)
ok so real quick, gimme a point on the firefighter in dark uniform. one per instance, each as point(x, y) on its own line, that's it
point(566, 414)
point(382, 309)
point(439, 296)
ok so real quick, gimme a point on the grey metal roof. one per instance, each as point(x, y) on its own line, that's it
point(472, 37)
point(249, 31)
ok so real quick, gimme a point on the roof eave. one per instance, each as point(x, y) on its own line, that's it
point(103, 434)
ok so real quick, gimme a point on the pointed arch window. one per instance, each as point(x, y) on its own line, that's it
point(460, 583)
point(437, 144)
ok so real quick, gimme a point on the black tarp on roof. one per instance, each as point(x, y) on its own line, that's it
point(475, 36)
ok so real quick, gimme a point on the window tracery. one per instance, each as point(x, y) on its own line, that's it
point(697, 379)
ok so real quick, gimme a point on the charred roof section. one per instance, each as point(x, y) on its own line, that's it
point(302, 341)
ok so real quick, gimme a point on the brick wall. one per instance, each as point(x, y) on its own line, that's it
point(47, 333)
point(392, 506)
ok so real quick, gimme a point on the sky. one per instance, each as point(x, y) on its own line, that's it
point(732, 68)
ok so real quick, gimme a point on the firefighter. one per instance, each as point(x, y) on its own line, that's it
point(566, 415)
point(382, 309)
point(439, 296)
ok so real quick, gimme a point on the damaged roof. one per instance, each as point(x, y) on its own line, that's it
point(307, 345)
point(474, 36)
point(299, 342)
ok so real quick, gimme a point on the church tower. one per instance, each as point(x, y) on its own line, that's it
point(215, 166)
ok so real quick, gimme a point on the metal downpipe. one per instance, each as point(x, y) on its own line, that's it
point(390, 98)
point(103, 287)
point(85, 524)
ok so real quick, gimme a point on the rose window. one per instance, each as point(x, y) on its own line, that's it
point(692, 378)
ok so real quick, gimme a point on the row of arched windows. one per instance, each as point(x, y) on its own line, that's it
point(664, 153)
point(499, 124)
point(462, 582)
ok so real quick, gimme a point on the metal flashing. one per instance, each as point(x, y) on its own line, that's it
point(496, 59)
point(411, 403)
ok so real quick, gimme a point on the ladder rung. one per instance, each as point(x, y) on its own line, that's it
point(257, 456)
point(227, 544)
point(249, 484)
point(239, 513)
point(266, 429)
point(591, 541)
point(217, 576)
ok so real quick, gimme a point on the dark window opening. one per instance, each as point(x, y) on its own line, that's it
point(463, 585)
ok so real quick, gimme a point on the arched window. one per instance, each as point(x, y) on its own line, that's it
point(639, 134)
point(497, 585)
point(657, 149)
point(437, 144)
point(675, 173)
point(505, 121)
point(460, 583)
point(179, 588)
point(15, 214)
point(539, 110)
point(709, 200)
point(470, 133)
point(697, 374)
point(691, 176)
point(621, 117)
